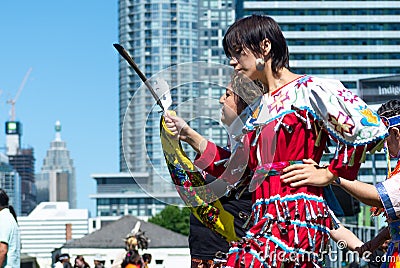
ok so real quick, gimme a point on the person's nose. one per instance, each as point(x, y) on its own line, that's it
point(233, 61)
point(222, 99)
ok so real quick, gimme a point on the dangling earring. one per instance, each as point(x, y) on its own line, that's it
point(260, 64)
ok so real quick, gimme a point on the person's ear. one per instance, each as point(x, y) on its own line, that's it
point(265, 46)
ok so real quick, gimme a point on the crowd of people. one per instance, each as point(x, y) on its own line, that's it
point(131, 259)
point(64, 261)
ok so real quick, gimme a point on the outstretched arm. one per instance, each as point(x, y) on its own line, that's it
point(343, 234)
point(310, 173)
point(353, 243)
point(364, 192)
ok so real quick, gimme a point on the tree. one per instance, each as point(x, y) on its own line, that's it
point(173, 218)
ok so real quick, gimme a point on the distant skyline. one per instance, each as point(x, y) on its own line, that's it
point(74, 79)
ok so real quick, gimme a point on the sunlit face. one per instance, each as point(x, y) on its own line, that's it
point(230, 107)
point(244, 62)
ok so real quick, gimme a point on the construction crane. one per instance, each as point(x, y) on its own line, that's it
point(13, 101)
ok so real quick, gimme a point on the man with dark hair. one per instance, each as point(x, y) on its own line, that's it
point(9, 234)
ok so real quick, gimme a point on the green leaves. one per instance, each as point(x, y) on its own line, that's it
point(173, 218)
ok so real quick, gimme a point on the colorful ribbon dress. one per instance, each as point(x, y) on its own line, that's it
point(290, 226)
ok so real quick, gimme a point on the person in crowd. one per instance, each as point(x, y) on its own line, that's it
point(65, 260)
point(146, 259)
point(132, 260)
point(80, 262)
point(134, 241)
point(99, 262)
point(294, 120)
point(57, 263)
point(10, 241)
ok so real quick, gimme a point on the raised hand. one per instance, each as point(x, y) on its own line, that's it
point(177, 125)
point(182, 131)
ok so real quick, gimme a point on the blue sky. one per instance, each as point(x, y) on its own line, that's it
point(74, 79)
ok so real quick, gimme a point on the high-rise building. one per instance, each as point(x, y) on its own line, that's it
point(213, 20)
point(23, 161)
point(56, 180)
point(173, 40)
point(24, 164)
point(10, 181)
point(158, 34)
point(348, 42)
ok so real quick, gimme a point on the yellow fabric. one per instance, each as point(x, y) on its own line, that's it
point(189, 181)
point(130, 265)
point(394, 261)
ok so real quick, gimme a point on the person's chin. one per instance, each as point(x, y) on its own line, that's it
point(223, 120)
point(242, 73)
point(226, 122)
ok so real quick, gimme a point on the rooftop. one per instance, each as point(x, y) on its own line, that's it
point(113, 234)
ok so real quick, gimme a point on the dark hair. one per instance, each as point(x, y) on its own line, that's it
point(3, 198)
point(146, 257)
point(138, 240)
point(250, 31)
point(390, 108)
point(133, 257)
point(4, 203)
point(82, 259)
point(64, 256)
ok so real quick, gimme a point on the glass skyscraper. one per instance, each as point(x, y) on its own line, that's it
point(213, 20)
point(24, 163)
point(161, 36)
point(157, 34)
